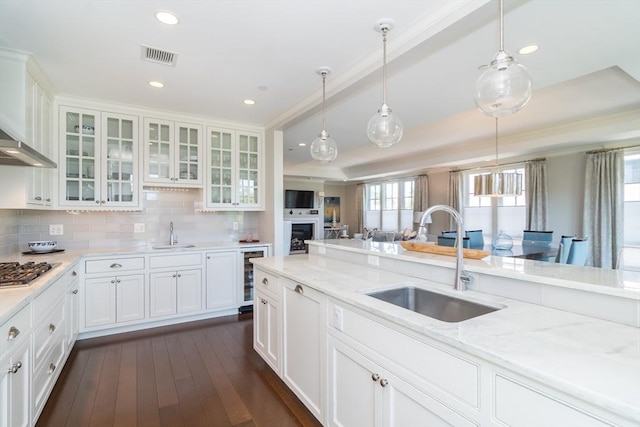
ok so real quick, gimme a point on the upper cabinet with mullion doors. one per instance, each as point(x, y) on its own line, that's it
point(172, 153)
point(98, 160)
point(235, 171)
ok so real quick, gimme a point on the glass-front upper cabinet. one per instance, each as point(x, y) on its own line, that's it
point(98, 162)
point(234, 170)
point(172, 153)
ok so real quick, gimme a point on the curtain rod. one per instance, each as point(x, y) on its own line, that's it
point(604, 150)
point(499, 166)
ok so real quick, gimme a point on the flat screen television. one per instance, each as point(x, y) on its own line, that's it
point(298, 199)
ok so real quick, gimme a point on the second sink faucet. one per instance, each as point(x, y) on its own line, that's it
point(173, 238)
point(462, 277)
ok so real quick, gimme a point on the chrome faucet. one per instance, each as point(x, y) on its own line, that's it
point(462, 277)
point(173, 238)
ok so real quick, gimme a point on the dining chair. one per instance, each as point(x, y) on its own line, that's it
point(563, 249)
point(476, 240)
point(578, 252)
point(538, 238)
point(451, 241)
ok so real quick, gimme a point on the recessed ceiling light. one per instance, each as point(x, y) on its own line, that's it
point(528, 49)
point(302, 144)
point(249, 102)
point(166, 17)
point(156, 84)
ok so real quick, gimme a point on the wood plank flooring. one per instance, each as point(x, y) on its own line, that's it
point(203, 373)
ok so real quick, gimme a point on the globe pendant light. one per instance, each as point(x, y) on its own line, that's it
point(505, 86)
point(324, 148)
point(496, 183)
point(385, 128)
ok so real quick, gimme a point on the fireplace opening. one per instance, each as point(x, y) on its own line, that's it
point(300, 233)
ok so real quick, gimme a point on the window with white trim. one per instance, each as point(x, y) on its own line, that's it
point(631, 252)
point(492, 214)
point(389, 205)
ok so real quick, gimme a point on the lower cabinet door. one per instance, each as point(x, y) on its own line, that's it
point(130, 298)
point(189, 291)
point(100, 302)
point(162, 294)
point(14, 388)
point(222, 280)
point(352, 387)
point(266, 321)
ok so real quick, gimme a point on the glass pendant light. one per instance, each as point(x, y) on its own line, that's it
point(496, 183)
point(385, 128)
point(324, 148)
point(505, 86)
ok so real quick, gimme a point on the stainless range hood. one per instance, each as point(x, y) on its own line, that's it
point(17, 153)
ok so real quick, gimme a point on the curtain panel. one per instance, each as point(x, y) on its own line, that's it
point(421, 194)
point(536, 194)
point(360, 189)
point(604, 207)
point(455, 195)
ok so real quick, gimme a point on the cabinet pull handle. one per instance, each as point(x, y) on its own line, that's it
point(13, 333)
point(115, 265)
point(75, 291)
point(113, 281)
point(74, 273)
point(52, 328)
point(179, 275)
point(15, 367)
point(48, 199)
point(375, 377)
point(52, 368)
point(299, 289)
point(97, 202)
point(384, 382)
point(265, 281)
point(262, 300)
point(38, 198)
point(102, 202)
point(117, 280)
point(173, 275)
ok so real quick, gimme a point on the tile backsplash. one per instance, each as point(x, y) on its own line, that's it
point(99, 229)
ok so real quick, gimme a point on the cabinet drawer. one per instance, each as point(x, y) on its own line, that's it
point(267, 283)
point(114, 265)
point(43, 302)
point(175, 261)
point(45, 375)
point(438, 367)
point(16, 329)
point(47, 332)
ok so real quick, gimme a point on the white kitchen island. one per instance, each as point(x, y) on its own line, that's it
point(564, 348)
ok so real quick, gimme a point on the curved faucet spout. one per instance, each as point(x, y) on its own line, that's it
point(461, 276)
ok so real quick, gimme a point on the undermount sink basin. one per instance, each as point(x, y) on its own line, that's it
point(176, 246)
point(432, 304)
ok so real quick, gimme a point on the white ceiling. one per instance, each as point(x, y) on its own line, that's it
point(586, 88)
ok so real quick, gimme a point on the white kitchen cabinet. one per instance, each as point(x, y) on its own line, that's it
point(15, 371)
point(175, 292)
point(303, 344)
point(222, 279)
point(72, 301)
point(114, 299)
point(234, 170)
point(98, 159)
point(362, 392)
point(172, 153)
point(266, 319)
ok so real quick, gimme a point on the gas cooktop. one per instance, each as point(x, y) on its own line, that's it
point(14, 274)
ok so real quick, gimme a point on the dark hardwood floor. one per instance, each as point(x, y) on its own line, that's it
point(203, 373)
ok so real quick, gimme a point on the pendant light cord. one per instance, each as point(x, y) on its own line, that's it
point(501, 25)
point(384, 65)
point(324, 77)
point(496, 165)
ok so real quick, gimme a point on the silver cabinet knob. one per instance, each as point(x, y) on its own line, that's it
point(38, 198)
point(52, 368)
point(115, 265)
point(74, 273)
point(13, 333)
point(52, 328)
point(262, 300)
point(375, 377)
point(15, 367)
point(384, 382)
point(299, 289)
point(113, 281)
point(75, 291)
point(265, 281)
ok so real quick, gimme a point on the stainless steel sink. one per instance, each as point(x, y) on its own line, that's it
point(432, 304)
point(175, 246)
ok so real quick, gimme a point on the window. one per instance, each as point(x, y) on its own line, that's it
point(492, 214)
point(389, 205)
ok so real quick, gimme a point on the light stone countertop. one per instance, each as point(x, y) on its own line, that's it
point(593, 359)
point(13, 299)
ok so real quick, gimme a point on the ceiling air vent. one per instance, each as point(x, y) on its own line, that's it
point(159, 56)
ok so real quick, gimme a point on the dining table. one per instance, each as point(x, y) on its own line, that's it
point(542, 252)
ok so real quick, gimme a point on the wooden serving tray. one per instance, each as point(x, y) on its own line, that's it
point(443, 250)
